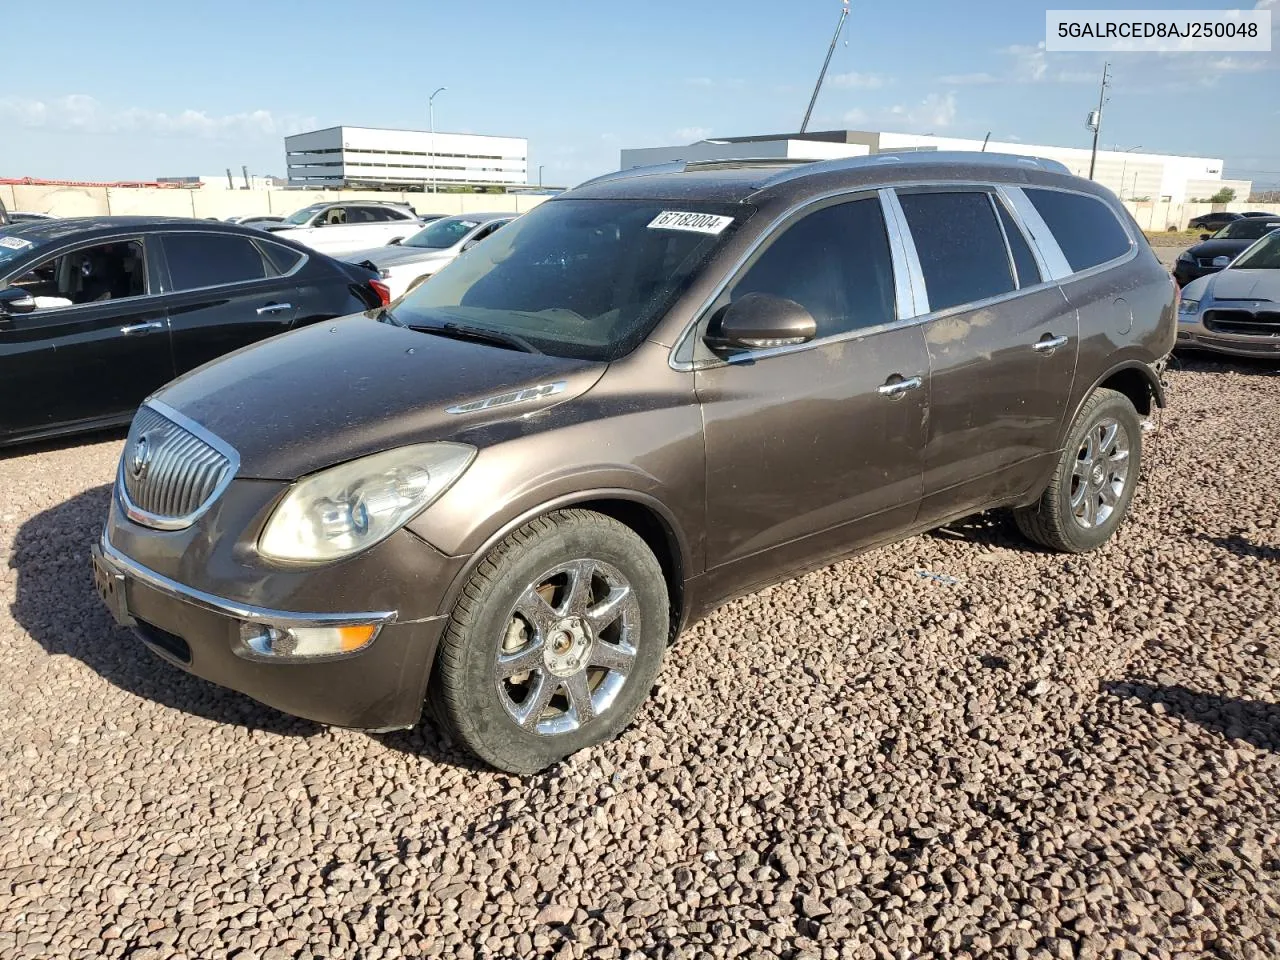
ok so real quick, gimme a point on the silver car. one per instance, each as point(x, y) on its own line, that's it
point(1236, 310)
point(402, 265)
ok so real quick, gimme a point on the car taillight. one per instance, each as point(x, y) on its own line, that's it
point(382, 290)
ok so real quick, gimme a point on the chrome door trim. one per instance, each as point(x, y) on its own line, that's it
point(910, 278)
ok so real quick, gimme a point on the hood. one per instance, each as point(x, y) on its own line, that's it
point(395, 254)
point(1219, 248)
point(1246, 285)
point(336, 391)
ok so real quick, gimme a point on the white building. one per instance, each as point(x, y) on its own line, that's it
point(1132, 175)
point(368, 157)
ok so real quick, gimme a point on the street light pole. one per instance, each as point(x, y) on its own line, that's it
point(431, 112)
point(1125, 166)
point(540, 166)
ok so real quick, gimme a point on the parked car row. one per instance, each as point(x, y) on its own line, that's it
point(1217, 250)
point(95, 314)
point(1236, 310)
point(405, 263)
point(511, 488)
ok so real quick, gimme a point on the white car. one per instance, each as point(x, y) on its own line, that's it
point(339, 228)
point(402, 264)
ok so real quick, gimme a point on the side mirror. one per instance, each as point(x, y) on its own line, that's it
point(394, 242)
point(1222, 261)
point(1205, 236)
point(468, 245)
point(760, 320)
point(15, 301)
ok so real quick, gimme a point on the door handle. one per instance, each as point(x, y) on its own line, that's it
point(1049, 344)
point(895, 388)
point(142, 327)
point(274, 308)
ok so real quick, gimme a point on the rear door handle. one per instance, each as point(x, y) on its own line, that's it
point(897, 385)
point(274, 308)
point(1050, 343)
point(142, 327)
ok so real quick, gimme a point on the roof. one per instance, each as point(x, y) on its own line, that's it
point(47, 231)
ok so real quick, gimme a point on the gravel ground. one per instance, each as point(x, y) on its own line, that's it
point(1048, 757)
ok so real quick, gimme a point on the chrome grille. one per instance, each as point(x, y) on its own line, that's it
point(172, 469)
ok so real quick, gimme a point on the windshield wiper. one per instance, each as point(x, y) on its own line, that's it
point(460, 331)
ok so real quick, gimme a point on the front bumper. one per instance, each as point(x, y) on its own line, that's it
point(1185, 272)
point(187, 593)
point(1192, 334)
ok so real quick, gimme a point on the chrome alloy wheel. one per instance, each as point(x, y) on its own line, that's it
point(1100, 473)
point(570, 644)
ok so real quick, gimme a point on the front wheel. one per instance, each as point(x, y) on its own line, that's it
point(554, 643)
point(1094, 481)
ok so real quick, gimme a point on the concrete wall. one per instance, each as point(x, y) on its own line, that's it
point(1158, 216)
point(155, 201)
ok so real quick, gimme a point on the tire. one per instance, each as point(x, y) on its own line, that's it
point(1091, 459)
point(529, 709)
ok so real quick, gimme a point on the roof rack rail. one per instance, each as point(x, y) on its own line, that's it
point(924, 157)
point(729, 163)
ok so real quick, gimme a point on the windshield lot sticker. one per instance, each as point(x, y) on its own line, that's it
point(14, 243)
point(691, 222)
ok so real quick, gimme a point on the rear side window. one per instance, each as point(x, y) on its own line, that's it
point(208, 260)
point(282, 258)
point(960, 247)
point(1086, 228)
point(1028, 271)
point(835, 263)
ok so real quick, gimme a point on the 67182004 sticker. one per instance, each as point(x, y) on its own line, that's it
point(708, 223)
point(14, 243)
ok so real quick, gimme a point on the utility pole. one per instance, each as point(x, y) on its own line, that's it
point(431, 111)
point(1095, 119)
point(844, 15)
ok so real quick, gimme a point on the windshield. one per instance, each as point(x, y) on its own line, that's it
point(11, 248)
point(1263, 255)
point(577, 278)
point(1248, 228)
point(442, 234)
point(305, 214)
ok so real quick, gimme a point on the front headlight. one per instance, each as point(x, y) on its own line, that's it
point(1188, 307)
point(1185, 257)
point(349, 508)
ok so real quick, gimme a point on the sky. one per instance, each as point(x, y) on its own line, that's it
point(149, 89)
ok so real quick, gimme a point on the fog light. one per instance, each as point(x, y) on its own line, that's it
point(296, 643)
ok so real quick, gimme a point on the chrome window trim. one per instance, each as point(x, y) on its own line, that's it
point(1046, 275)
point(146, 519)
point(1008, 247)
point(160, 235)
point(1097, 268)
point(140, 238)
point(910, 277)
point(229, 608)
point(1045, 260)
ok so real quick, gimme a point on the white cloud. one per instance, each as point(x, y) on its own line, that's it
point(857, 81)
point(79, 113)
point(693, 134)
point(934, 112)
point(699, 81)
point(969, 79)
point(1030, 64)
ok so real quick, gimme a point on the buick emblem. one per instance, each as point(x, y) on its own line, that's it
point(142, 454)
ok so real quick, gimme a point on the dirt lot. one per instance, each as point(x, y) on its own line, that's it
point(1048, 757)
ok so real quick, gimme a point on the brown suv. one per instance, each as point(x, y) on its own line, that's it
point(508, 492)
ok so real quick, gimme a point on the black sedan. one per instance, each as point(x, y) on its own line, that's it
point(95, 314)
point(1212, 221)
point(1221, 248)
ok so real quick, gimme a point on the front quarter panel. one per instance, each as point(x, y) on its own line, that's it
point(636, 435)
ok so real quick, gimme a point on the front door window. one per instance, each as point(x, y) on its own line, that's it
point(108, 271)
